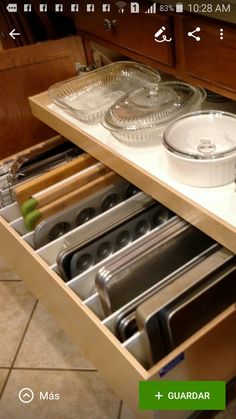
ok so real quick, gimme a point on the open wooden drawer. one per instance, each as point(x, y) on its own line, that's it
point(208, 355)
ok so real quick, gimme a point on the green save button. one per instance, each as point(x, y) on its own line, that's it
point(182, 395)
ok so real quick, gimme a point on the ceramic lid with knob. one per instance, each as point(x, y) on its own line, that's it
point(202, 135)
point(149, 107)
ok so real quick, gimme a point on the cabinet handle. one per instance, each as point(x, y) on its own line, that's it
point(109, 24)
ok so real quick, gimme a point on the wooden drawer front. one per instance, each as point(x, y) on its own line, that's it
point(210, 59)
point(137, 37)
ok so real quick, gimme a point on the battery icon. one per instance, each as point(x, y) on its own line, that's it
point(179, 7)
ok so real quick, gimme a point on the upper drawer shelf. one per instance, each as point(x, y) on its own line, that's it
point(212, 210)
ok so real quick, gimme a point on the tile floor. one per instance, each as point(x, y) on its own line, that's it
point(35, 353)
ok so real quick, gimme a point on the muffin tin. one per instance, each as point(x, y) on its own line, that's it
point(80, 213)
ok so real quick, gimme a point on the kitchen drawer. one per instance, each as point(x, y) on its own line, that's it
point(136, 38)
point(207, 355)
point(220, 69)
point(147, 169)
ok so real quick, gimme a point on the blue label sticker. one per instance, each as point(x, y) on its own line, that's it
point(168, 367)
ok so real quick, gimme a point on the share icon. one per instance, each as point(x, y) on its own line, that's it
point(193, 32)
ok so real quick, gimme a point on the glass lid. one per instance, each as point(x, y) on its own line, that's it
point(149, 107)
point(202, 135)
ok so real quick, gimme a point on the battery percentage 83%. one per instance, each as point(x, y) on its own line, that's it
point(166, 8)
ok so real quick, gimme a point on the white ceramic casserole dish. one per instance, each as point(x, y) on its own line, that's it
point(201, 148)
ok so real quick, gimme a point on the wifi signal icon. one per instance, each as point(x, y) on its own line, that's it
point(121, 6)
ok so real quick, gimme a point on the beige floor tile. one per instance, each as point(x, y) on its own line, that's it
point(6, 272)
point(83, 395)
point(229, 413)
point(3, 376)
point(231, 409)
point(46, 345)
point(16, 304)
point(126, 413)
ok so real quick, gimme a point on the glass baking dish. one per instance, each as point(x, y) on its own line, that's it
point(140, 117)
point(88, 97)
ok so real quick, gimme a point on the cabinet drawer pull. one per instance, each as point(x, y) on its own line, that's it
point(109, 24)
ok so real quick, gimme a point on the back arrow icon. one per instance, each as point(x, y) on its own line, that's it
point(13, 34)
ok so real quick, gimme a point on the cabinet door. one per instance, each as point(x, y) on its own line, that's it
point(25, 71)
point(211, 59)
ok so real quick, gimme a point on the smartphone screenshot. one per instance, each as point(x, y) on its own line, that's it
point(117, 209)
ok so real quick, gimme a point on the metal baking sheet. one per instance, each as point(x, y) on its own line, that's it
point(147, 313)
point(193, 309)
point(113, 321)
point(125, 280)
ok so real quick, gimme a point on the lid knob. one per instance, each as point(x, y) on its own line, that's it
point(206, 145)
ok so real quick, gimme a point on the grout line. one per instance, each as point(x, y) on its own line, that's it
point(10, 280)
point(120, 410)
point(18, 349)
point(53, 369)
point(23, 336)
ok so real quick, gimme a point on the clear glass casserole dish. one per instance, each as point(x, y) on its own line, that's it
point(89, 96)
point(140, 117)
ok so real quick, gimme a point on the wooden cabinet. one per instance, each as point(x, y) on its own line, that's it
point(136, 37)
point(209, 63)
point(212, 59)
point(25, 71)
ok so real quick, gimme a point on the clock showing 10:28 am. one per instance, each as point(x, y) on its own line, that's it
point(209, 8)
